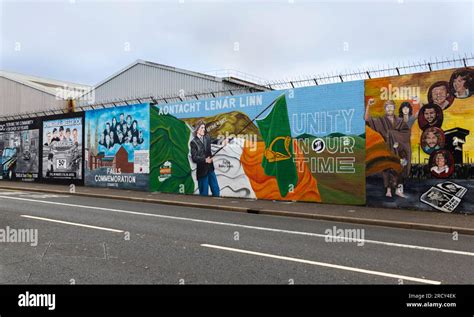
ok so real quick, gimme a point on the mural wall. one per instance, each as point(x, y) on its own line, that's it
point(397, 142)
point(63, 148)
point(19, 150)
point(419, 148)
point(306, 144)
point(117, 147)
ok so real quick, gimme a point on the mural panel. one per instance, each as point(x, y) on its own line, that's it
point(305, 144)
point(19, 150)
point(117, 147)
point(419, 148)
point(62, 148)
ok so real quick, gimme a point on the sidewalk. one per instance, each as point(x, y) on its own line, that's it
point(399, 218)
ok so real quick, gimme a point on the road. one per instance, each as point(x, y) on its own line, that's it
point(85, 240)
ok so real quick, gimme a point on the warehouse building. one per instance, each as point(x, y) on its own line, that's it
point(141, 81)
point(25, 94)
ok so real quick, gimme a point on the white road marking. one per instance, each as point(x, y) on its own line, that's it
point(334, 266)
point(71, 223)
point(32, 194)
point(12, 192)
point(310, 234)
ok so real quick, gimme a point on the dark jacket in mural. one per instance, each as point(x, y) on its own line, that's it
point(200, 150)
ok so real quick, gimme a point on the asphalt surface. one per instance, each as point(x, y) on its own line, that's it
point(143, 243)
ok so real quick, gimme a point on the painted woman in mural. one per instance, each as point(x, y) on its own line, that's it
point(462, 83)
point(113, 127)
point(201, 155)
point(441, 163)
point(396, 134)
point(406, 113)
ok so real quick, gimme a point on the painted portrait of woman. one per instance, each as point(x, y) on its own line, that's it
point(405, 112)
point(441, 164)
point(462, 83)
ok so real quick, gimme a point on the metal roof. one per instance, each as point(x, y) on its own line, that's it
point(233, 80)
point(161, 66)
point(46, 85)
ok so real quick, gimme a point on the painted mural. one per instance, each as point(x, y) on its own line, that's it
point(117, 147)
point(419, 148)
point(19, 150)
point(305, 144)
point(62, 147)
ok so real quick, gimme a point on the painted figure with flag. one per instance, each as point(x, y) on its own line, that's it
point(278, 160)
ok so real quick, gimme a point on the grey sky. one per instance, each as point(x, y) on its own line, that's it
point(85, 41)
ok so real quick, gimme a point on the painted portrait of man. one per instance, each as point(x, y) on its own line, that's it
point(440, 94)
point(430, 115)
point(201, 154)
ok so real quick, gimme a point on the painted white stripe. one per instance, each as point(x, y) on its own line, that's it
point(71, 223)
point(309, 234)
point(329, 265)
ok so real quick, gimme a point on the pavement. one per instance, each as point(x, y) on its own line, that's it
point(398, 218)
point(101, 240)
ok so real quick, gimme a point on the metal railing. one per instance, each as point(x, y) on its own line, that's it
point(411, 68)
point(386, 71)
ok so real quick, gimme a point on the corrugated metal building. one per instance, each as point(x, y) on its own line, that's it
point(24, 94)
point(21, 94)
point(143, 79)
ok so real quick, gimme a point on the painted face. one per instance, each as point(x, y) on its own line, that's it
point(431, 139)
point(435, 196)
point(202, 129)
point(405, 110)
point(451, 187)
point(440, 160)
point(430, 115)
point(439, 95)
point(458, 84)
point(390, 109)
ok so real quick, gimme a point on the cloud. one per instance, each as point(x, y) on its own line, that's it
point(86, 41)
